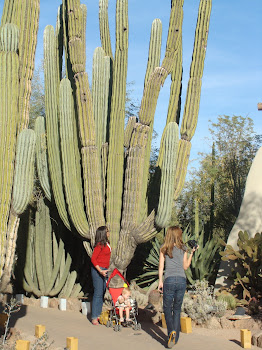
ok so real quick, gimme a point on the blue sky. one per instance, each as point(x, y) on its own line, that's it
point(232, 80)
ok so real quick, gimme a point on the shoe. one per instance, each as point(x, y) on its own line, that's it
point(95, 322)
point(171, 340)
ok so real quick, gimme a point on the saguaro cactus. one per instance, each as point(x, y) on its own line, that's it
point(115, 162)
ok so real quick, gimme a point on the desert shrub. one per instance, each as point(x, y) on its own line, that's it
point(229, 299)
point(200, 303)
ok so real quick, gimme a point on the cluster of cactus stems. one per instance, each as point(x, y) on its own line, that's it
point(92, 168)
point(18, 34)
point(47, 267)
point(98, 169)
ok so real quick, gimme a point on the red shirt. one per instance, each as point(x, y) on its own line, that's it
point(101, 255)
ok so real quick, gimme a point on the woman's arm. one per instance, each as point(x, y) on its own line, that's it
point(187, 260)
point(161, 271)
point(96, 252)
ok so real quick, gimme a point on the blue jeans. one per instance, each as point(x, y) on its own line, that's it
point(99, 284)
point(173, 294)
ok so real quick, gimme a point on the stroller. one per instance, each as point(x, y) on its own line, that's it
point(113, 317)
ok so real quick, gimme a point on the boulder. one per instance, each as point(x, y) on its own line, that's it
point(213, 323)
point(257, 337)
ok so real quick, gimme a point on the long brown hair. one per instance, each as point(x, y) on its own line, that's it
point(101, 236)
point(173, 237)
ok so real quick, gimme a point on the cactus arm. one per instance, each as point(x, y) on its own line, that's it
point(57, 256)
point(154, 48)
point(70, 154)
point(133, 178)
point(63, 277)
point(184, 148)
point(104, 158)
point(27, 47)
point(191, 108)
point(159, 75)
point(174, 105)
point(48, 259)
point(88, 248)
point(69, 285)
point(100, 91)
point(168, 169)
point(196, 71)
point(39, 249)
point(76, 291)
point(59, 40)
point(93, 188)
point(157, 79)
point(104, 28)
point(153, 62)
point(85, 110)
point(28, 282)
point(51, 108)
point(116, 127)
point(24, 170)
point(90, 154)
point(8, 10)
point(41, 156)
point(129, 130)
point(8, 111)
point(75, 28)
point(83, 32)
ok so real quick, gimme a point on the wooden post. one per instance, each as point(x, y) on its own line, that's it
point(245, 335)
point(163, 320)
point(72, 343)
point(39, 330)
point(22, 344)
point(259, 106)
point(186, 325)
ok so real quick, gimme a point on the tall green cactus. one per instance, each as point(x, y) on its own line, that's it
point(17, 51)
point(115, 162)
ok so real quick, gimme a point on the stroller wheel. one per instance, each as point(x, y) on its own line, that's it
point(137, 327)
point(109, 324)
point(117, 328)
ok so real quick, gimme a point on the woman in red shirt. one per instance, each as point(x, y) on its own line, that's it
point(100, 262)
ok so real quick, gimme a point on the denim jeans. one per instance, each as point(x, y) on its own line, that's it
point(99, 284)
point(173, 294)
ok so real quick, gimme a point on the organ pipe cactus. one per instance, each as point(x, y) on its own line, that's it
point(17, 51)
point(115, 162)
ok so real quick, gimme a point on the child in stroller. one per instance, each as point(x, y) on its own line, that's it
point(124, 303)
point(124, 308)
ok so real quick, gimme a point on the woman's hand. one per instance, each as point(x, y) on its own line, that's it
point(195, 248)
point(103, 272)
point(160, 287)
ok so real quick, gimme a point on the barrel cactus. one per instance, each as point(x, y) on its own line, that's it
point(98, 169)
